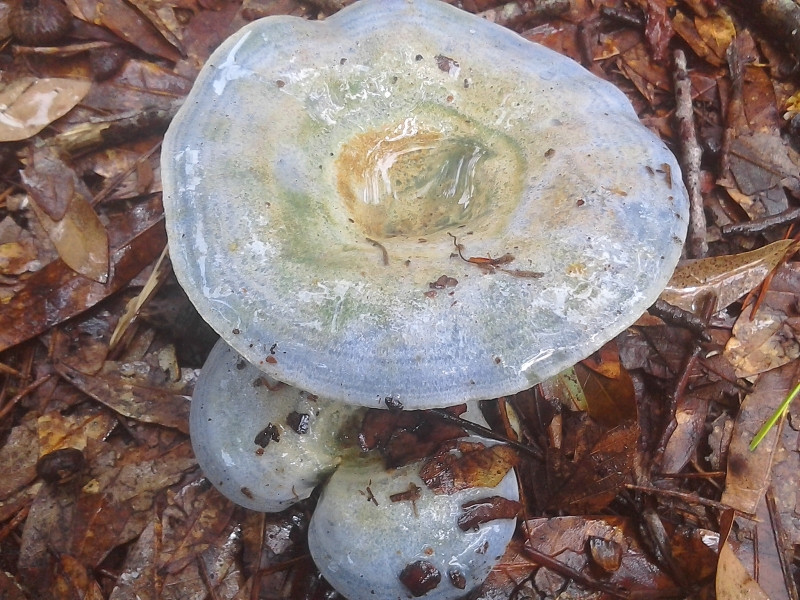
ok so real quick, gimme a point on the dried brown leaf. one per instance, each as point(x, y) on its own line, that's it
point(80, 238)
point(733, 582)
point(72, 580)
point(763, 341)
point(127, 23)
point(192, 522)
point(56, 292)
point(727, 277)
point(594, 480)
point(29, 104)
point(566, 540)
point(139, 577)
point(446, 473)
point(132, 396)
point(718, 32)
point(19, 455)
point(750, 473)
point(57, 430)
point(114, 507)
point(608, 390)
point(762, 161)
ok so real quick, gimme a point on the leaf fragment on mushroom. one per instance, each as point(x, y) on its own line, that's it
point(478, 466)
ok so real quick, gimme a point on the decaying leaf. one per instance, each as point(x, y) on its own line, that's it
point(567, 540)
point(29, 104)
point(594, 479)
point(749, 473)
point(763, 341)
point(72, 430)
point(478, 466)
point(761, 161)
point(127, 23)
point(727, 277)
point(19, 454)
point(132, 397)
point(68, 293)
point(485, 510)
point(608, 389)
point(62, 203)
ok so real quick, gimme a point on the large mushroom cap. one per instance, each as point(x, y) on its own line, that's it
point(406, 201)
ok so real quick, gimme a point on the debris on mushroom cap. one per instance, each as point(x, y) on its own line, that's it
point(446, 213)
point(379, 533)
point(263, 444)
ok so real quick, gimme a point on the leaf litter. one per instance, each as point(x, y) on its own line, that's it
point(640, 480)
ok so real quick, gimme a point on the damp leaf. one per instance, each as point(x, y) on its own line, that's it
point(29, 104)
point(728, 277)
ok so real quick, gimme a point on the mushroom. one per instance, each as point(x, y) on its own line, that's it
point(414, 539)
point(442, 214)
point(424, 527)
point(263, 444)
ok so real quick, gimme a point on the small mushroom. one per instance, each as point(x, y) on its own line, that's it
point(379, 533)
point(263, 444)
point(406, 201)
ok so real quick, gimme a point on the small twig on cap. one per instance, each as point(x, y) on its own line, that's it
point(690, 157)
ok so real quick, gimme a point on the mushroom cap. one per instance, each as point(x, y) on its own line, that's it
point(361, 545)
point(257, 466)
point(406, 201)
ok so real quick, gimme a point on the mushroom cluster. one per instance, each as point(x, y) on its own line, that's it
point(401, 206)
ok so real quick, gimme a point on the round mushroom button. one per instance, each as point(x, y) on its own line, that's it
point(379, 533)
point(263, 444)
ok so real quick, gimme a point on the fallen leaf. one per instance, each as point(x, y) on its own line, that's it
point(565, 540)
point(62, 204)
point(57, 430)
point(72, 580)
point(733, 582)
point(762, 161)
point(485, 510)
point(131, 396)
point(29, 104)
point(608, 390)
point(749, 472)
point(56, 292)
point(19, 454)
point(727, 277)
point(763, 341)
point(127, 23)
point(596, 477)
point(446, 472)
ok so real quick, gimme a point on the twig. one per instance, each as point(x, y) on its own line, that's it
point(555, 565)
point(686, 497)
point(22, 393)
point(487, 433)
point(675, 315)
point(691, 154)
point(759, 226)
point(782, 544)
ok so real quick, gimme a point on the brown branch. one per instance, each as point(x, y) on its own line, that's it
point(690, 157)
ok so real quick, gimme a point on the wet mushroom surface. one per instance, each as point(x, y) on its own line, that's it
point(441, 214)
